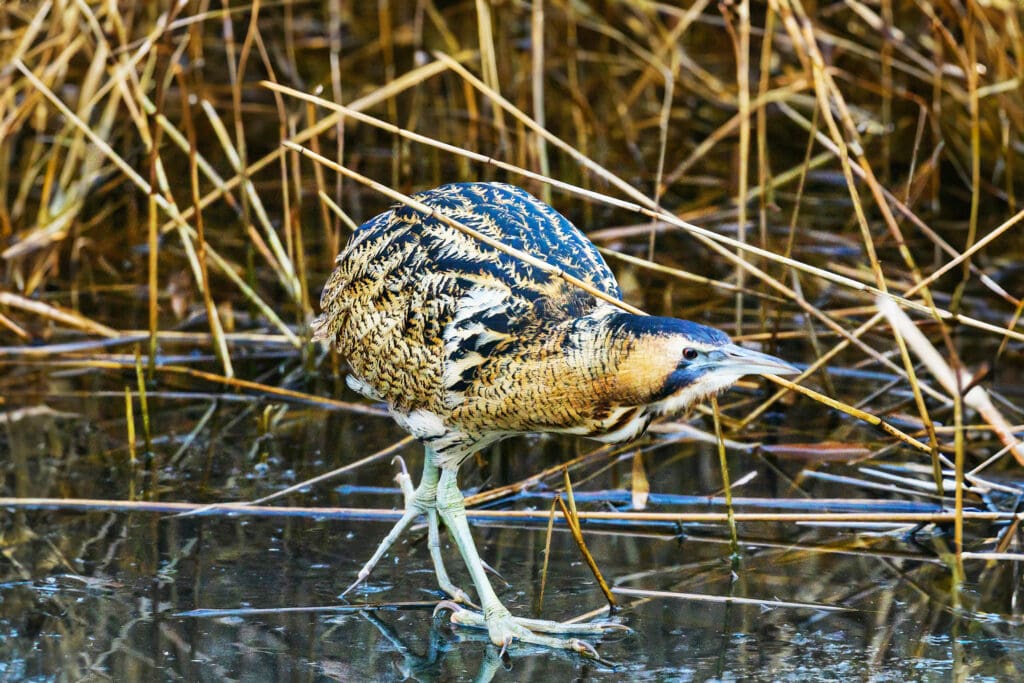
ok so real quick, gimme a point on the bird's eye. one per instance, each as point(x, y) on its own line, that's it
point(690, 354)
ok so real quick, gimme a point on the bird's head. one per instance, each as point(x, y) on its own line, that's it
point(670, 364)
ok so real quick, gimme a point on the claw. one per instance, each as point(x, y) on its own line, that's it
point(462, 597)
point(401, 463)
point(359, 579)
point(495, 572)
point(449, 605)
point(584, 648)
point(504, 648)
point(587, 650)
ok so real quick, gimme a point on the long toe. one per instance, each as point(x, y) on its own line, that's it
point(458, 595)
point(505, 630)
point(590, 628)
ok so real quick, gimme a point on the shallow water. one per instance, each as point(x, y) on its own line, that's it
point(102, 595)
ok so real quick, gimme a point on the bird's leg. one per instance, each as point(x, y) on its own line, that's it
point(421, 500)
point(433, 530)
point(501, 626)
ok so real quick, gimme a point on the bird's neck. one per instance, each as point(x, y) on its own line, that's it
point(619, 357)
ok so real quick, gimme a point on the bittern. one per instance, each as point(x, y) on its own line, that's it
point(467, 345)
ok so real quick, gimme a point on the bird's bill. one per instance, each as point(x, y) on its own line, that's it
point(739, 361)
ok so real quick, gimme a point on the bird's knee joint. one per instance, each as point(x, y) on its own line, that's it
point(424, 501)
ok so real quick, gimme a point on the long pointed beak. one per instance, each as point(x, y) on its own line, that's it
point(737, 360)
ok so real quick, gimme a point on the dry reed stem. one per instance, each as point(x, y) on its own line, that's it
point(687, 276)
point(829, 97)
point(728, 599)
point(58, 315)
point(185, 231)
point(212, 315)
point(547, 555)
point(320, 478)
point(723, 466)
point(232, 382)
point(954, 381)
point(639, 483)
point(537, 86)
point(71, 349)
point(741, 46)
point(854, 412)
point(571, 516)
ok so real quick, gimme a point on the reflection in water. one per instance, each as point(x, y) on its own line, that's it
point(102, 594)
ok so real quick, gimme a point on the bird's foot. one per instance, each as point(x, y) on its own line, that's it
point(504, 630)
point(418, 501)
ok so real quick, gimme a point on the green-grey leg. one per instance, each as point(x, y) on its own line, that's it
point(501, 626)
point(418, 501)
point(428, 487)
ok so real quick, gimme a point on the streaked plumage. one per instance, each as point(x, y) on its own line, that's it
point(467, 345)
